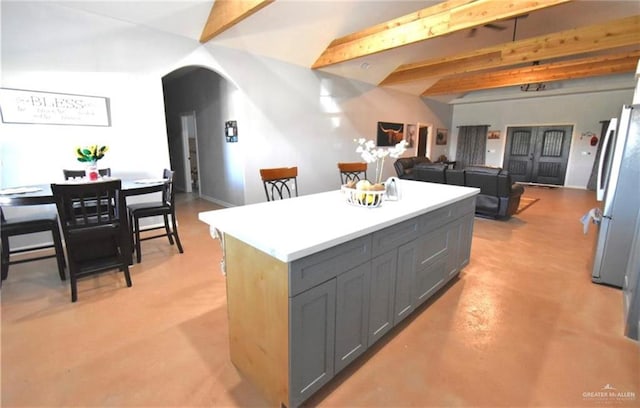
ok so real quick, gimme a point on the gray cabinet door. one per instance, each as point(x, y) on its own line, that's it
point(352, 314)
point(312, 331)
point(381, 301)
point(429, 279)
point(405, 278)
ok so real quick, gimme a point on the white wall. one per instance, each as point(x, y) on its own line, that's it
point(583, 111)
point(287, 115)
point(90, 56)
point(298, 117)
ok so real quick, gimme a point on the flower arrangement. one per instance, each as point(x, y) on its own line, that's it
point(369, 153)
point(90, 154)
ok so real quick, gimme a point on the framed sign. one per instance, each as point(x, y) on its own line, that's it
point(48, 108)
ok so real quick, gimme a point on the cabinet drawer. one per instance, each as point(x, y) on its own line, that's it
point(465, 207)
point(434, 245)
point(437, 218)
point(314, 269)
point(394, 236)
point(442, 216)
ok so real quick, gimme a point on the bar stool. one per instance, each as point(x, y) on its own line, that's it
point(280, 183)
point(352, 172)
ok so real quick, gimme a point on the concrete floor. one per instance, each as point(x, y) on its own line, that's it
point(522, 326)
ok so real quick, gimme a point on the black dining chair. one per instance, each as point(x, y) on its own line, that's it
point(96, 237)
point(280, 182)
point(28, 225)
point(71, 174)
point(353, 172)
point(165, 207)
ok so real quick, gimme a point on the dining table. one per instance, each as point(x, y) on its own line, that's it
point(39, 194)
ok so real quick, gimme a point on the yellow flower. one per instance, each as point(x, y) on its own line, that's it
point(90, 153)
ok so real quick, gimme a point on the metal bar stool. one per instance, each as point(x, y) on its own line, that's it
point(352, 172)
point(280, 183)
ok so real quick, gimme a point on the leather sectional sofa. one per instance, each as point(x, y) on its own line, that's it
point(405, 166)
point(499, 197)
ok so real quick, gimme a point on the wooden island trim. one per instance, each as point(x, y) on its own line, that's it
point(258, 308)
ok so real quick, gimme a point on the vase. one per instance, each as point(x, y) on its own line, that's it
point(91, 171)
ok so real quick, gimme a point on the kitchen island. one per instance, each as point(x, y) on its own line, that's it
point(313, 281)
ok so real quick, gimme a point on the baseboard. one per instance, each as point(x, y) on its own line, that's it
point(216, 201)
point(551, 185)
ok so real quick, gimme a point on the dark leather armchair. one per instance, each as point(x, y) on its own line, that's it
point(405, 166)
point(499, 197)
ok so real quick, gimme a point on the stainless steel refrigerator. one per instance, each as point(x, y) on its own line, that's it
point(619, 190)
point(631, 288)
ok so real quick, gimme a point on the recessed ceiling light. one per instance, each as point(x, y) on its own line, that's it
point(365, 65)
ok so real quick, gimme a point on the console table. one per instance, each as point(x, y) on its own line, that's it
point(313, 281)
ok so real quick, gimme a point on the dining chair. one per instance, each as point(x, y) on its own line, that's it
point(165, 208)
point(71, 174)
point(352, 172)
point(96, 241)
point(280, 183)
point(28, 225)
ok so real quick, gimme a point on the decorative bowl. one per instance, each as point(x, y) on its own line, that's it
point(363, 198)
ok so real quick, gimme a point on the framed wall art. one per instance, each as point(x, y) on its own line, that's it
point(231, 131)
point(389, 133)
point(410, 135)
point(21, 106)
point(442, 136)
point(493, 134)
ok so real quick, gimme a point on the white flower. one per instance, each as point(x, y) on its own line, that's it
point(370, 144)
point(369, 153)
point(398, 149)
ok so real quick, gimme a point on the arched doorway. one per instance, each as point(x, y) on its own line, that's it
point(198, 103)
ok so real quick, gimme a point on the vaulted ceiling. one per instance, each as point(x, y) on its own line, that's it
point(438, 49)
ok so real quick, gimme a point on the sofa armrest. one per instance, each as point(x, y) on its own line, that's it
point(516, 190)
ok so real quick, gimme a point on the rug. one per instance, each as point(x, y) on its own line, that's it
point(525, 202)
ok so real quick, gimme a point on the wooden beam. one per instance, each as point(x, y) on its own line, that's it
point(438, 20)
point(613, 34)
point(580, 68)
point(226, 13)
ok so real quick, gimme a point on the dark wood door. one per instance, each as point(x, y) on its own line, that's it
point(538, 154)
point(423, 133)
point(518, 153)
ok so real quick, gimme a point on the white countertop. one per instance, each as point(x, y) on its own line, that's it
point(294, 228)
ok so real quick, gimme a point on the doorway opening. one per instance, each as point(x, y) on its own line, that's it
point(424, 149)
point(538, 154)
point(190, 151)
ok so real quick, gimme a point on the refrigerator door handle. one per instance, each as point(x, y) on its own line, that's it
point(605, 158)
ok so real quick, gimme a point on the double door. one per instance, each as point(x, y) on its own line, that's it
point(538, 154)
